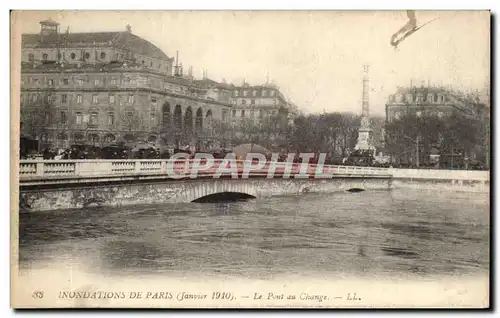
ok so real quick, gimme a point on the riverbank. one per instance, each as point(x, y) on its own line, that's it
point(441, 180)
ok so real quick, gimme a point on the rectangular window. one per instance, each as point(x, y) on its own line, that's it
point(96, 81)
point(234, 113)
point(236, 93)
point(65, 81)
point(78, 118)
point(111, 99)
point(133, 82)
point(63, 118)
point(245, 93)
point(64, 98)
point(93, 120)
point(242, 113)
point(130, 99)
point(272, 93)
point(79, 99)
point(111, 119)
point(224, 115)
point(254, 93)
point(113, 81)
point(95, 99)
point(252, 101)
point(243, 101)
point(50, 82)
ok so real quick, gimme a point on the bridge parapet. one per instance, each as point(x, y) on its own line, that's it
point(48, 169)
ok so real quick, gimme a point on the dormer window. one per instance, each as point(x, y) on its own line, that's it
point(399, 98)
point(264, 93)
point(409, 98)
point(254, 93)
point(245, 93)
point(420, 98)
point(236, 93)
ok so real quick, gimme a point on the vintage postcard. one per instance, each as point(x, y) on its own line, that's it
point(250, 159)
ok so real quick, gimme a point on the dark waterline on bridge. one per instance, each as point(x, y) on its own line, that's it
point(388, 233)
point(224, 197)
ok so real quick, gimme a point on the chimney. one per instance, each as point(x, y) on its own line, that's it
point(128, 28)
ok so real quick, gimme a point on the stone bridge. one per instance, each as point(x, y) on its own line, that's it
point(66, 184)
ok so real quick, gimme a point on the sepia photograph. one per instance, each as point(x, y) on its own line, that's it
point(250, 159)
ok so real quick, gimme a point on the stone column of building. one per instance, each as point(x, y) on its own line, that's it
point(364, 131)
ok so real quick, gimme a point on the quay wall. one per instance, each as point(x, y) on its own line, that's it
point(441, 180)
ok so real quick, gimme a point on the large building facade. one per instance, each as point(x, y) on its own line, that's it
point(435, 122)
point(100, 88)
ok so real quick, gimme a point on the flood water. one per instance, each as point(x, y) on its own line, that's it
point(383, 233)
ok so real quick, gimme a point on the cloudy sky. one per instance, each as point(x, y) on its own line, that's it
point(316, 57)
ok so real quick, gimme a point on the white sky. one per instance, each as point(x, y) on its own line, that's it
point(315, 57)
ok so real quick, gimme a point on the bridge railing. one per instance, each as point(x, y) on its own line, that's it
point(46, 169)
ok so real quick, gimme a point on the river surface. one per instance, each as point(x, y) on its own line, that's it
point(373, 233)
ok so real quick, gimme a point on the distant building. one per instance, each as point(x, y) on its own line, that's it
point(453, 148)
point(103, 87)
point(432, 101)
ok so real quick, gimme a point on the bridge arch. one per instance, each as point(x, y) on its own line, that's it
point(200, 191)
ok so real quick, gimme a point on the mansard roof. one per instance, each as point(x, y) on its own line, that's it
point(125, 40)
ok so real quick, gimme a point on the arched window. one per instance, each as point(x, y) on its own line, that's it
point(209, 118)
point(87, 55)
point(31, 57)
point(103, 55)
point(430, 98)
point(109, 138)
point(199, 120)
point(73, 56)
point(93, 138)
point(45, 56)
point(166, 115)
